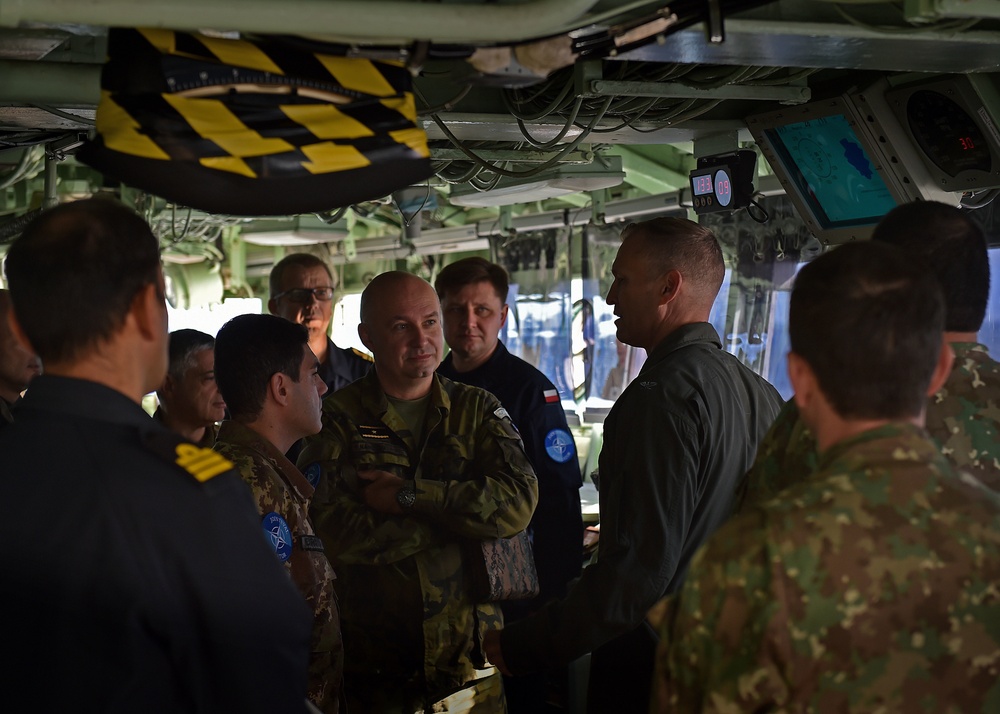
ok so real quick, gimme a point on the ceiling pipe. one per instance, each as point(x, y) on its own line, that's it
point(356, 19)
point(61, 84)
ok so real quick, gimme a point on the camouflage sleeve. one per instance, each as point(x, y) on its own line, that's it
point(786, 455)
point(491, 497)
point(721, 632)
point(351, 531)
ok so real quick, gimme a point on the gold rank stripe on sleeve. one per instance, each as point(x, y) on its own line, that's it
point(203, 464)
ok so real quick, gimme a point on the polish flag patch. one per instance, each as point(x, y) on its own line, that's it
point(551, 395)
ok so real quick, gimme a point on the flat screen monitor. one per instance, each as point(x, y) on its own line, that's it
point(830, 167)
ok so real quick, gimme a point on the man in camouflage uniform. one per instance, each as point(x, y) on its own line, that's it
point(963, 417)
point(473, 294)
point(871, 586)
point(270, 380)
point(413, 469)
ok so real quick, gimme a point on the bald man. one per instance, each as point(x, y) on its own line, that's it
point(676, 442)
point(410, 468)
point(17, 365)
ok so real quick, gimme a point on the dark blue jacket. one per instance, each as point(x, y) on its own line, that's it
point(556, 528)
point(137, 576)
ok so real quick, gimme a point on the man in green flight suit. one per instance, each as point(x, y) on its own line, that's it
point(964, 416)
point(871, 585)
point(270, 379)
point(414, 468)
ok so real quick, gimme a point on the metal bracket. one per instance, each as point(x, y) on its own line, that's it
point(716, 25)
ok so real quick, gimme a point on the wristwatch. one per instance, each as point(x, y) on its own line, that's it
point(406, 495)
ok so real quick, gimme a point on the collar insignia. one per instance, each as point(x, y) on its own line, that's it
point(373, 432)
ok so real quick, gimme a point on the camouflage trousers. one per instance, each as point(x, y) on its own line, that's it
point(483, 695)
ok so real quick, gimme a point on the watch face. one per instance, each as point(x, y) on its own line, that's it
point(406, 496)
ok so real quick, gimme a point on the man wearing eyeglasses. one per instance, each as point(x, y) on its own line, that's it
point(302, 289)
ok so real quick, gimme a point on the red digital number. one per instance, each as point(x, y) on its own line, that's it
point(967, 143)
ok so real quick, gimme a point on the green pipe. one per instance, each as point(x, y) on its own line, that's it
point(356, 19)
point(63, 84)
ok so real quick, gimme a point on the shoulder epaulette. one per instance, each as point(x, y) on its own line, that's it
point(363, 355)
point(203, 464)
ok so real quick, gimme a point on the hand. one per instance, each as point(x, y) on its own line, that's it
point(379, 493)
point(591, 536)
point(491, 645)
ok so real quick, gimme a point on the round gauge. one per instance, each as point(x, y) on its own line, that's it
point(948, 136)
point(723, 188)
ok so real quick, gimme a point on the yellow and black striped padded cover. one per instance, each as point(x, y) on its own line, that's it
point(262, 127)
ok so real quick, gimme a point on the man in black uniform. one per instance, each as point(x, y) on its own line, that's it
point(473, 294)
point(140, 580)
point(302, 288)
point(17, 365)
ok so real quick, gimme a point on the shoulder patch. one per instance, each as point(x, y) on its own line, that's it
point(279, 535)
point(559, 445)
point(309, 542)
point(201, 463)
point(312, 472)
point(647, 385)
point(551, 396)
point(501, 413)
point(363, 355)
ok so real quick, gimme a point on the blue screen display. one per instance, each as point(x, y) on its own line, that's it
point(833, 172)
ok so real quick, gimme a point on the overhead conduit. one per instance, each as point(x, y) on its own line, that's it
point(359, 19)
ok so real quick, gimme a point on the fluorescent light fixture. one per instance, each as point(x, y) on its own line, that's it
point(603, 172)
point(449, 240)
point(293, 237)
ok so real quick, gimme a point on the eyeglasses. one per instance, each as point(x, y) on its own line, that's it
point(303, 295)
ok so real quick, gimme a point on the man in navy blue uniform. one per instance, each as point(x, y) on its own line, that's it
point(302, 290)
point(473, 294)
point(137, 577)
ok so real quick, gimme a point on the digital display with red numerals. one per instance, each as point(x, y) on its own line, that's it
point(702, 185)
point(948, 134)
point(723, 188)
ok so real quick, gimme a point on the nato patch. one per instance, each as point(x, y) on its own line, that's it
point(312, 472)
point(279, 535)
point(559, 445)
